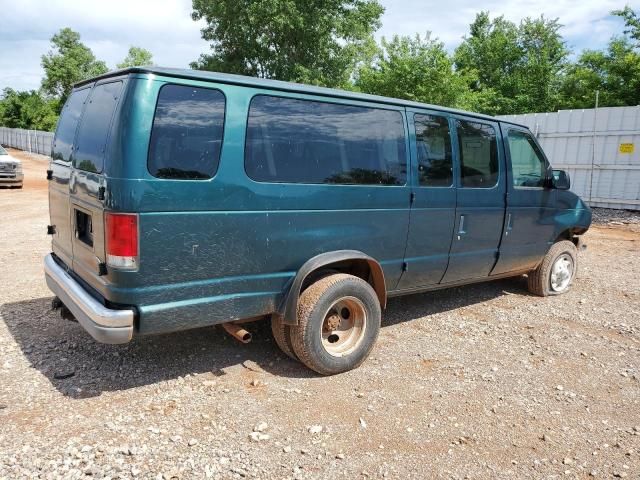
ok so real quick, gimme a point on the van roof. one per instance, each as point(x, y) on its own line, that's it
point(232, 79)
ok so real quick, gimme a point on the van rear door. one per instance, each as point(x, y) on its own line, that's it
point(61, 173)
point(87, 183)
point(79, 208)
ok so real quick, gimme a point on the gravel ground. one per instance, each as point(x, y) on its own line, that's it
point(484, 381)
point(607, 216)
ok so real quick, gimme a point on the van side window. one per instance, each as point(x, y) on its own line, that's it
point(94, 127)
point(528, 166)
point(478, 154)
point(68, 124)
point(303, 141)
point(433, 144)
point(186, 138)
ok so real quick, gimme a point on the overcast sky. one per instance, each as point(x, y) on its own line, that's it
point(165, 27)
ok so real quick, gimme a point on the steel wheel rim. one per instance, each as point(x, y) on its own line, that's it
point(343, 327)
point(561, 273)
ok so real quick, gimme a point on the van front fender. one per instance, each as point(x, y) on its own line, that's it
point(347, 261)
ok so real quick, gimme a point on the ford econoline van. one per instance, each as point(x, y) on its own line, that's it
point(182, 199)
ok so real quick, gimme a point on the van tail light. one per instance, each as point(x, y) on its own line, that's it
point(121, 233)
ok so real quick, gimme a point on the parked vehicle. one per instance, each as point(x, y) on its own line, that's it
point(10, 170)
point(183, 199)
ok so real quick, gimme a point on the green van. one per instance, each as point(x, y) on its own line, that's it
point(182, 199)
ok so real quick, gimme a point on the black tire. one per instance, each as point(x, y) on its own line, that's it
point(282, 336)
point(315, 303)
point(539, 280)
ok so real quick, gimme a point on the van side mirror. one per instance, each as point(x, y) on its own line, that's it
point(561, 180)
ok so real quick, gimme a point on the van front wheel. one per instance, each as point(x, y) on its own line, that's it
point(338, 324)
point(555, 274)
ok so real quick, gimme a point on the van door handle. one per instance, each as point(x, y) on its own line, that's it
point(509, 226)
point(461, 230)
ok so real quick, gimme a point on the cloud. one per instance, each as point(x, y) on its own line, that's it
point(586, 24)
point(109, 28)
point(166, 29)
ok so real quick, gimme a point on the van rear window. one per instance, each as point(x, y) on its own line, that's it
point(94, 127)
point(68, 124)
point(186, 138)
point(301, 141)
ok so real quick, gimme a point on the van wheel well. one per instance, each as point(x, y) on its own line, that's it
point(357, 267)
point(569, 234)
point(351, 262)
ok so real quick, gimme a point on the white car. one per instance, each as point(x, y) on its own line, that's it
point(10, 170)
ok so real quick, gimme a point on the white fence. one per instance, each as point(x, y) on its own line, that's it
point(600, 148)
point(34, 141)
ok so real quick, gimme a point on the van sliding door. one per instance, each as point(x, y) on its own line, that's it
point(434, 199)
point(480, 200)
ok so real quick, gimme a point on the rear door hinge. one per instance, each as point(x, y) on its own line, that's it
point(101, 191)
point(51, 229)
point(405, 266)
point(49, 174)
point(412, 198)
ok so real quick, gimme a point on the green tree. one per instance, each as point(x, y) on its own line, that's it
point(545, 60)
point(136, 57)
point(68, 62)
point(29, 110)
point(614, 72)
point(631, 21)
point(416, 69)
point(310, 41)
point(513, 68)
point(489, 57)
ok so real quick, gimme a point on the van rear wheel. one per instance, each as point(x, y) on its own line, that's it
point(338, 323)
point(555, 274)
point(282, 336)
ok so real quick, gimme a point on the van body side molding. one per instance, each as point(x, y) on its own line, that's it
point(288, 307)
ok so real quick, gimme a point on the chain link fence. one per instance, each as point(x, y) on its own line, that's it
point(34, 141)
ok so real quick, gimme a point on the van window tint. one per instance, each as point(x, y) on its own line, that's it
point(528, 166)
point(478, 154)
point(186, 138)
point(433, 144)
point(302, 141)
point(67, 125)
point(94, 127)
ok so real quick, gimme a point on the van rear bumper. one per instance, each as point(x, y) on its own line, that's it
point(104, 324)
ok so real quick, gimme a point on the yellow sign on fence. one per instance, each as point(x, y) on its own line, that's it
point(626, 148)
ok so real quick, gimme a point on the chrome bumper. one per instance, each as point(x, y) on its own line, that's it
point(16, 179)
point(104, 324)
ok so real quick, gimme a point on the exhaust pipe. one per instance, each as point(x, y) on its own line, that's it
point(237, 332)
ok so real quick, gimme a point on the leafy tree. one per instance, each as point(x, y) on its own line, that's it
point(544, 62)
point(69, 61)
point(490, 58)
point(418, 69)
point(615, 73)
point(136, 57)
point(631, 21)
point(29, 110)
point(310, 41)
point(513, 69)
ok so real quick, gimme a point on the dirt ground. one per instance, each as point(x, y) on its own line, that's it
point(484, 381)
